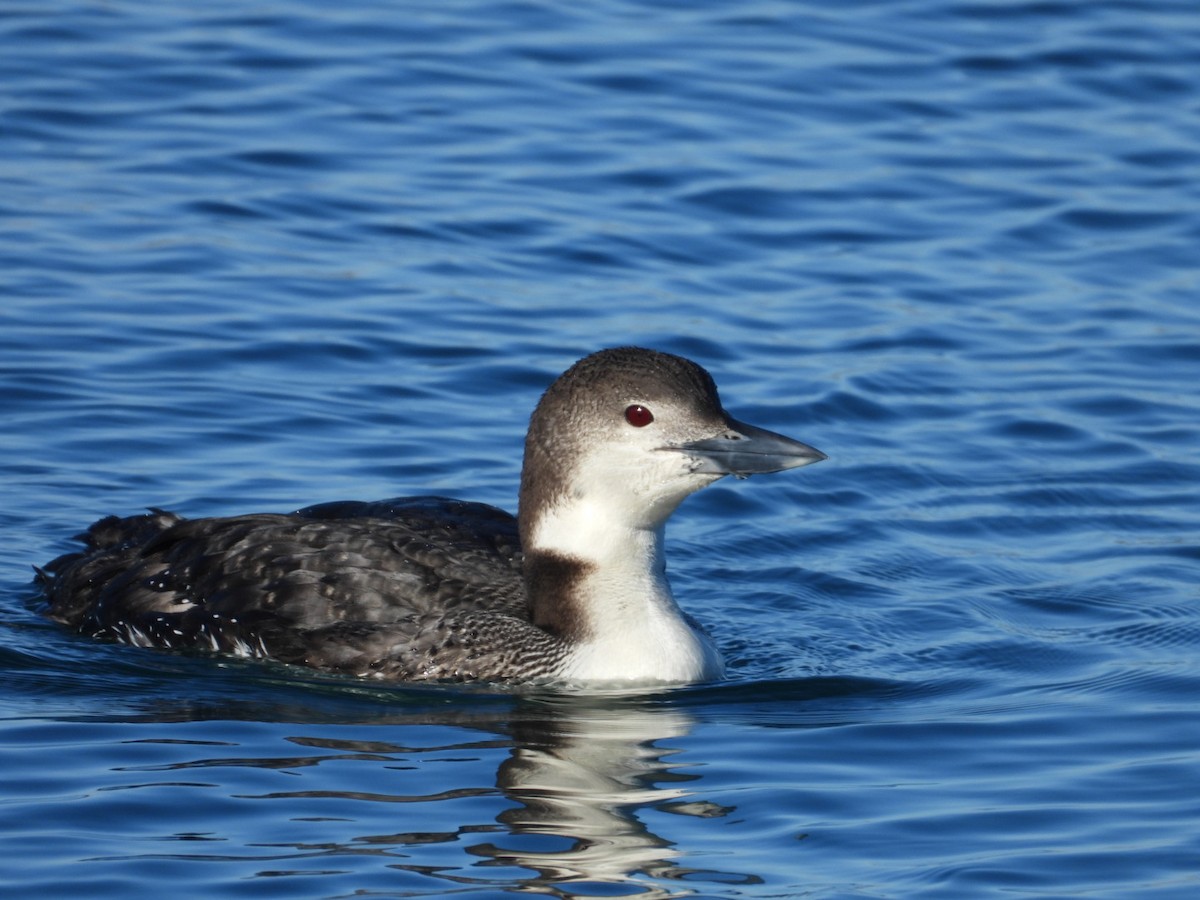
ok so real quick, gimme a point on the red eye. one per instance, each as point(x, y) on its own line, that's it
point(638, 416)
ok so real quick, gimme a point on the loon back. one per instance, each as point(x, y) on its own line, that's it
point(400, 589)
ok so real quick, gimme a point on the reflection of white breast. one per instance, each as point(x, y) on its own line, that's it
point(584, 781)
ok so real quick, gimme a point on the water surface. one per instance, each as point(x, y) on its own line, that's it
point(261, 256)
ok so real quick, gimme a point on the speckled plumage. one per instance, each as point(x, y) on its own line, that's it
point(406, 589)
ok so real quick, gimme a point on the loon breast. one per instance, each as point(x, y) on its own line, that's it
point(430, 588)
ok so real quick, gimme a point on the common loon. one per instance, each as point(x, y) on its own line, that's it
point(574, 589)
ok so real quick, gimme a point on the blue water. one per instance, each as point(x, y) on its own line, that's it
point(260, 255)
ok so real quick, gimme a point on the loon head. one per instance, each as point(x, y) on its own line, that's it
point(626, 434)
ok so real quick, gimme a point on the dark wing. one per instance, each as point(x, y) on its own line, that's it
point(273, 585)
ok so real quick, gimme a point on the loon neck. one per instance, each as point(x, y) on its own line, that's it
point(602, 588)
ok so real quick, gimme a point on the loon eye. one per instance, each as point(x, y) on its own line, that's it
point(638, 416)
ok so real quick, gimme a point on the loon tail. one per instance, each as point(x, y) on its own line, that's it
point(71, 582)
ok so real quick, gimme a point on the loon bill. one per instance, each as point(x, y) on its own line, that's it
point(573, 589)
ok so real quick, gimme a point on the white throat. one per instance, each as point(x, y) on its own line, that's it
point(632, 629)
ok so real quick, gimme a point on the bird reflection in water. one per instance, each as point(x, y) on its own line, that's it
point(578, 777)
point(581, 776)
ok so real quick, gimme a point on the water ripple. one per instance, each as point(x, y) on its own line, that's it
point(258, 258)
